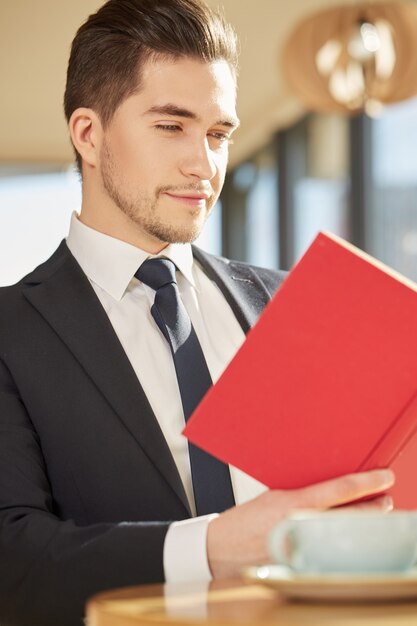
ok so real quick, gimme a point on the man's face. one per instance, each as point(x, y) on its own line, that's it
point(163, 156)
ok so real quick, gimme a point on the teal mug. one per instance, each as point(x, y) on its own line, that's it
point(346, 541)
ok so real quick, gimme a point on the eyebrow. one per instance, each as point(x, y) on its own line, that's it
point(176, 111)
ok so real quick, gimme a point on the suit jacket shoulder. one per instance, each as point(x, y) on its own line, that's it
point(247, 288)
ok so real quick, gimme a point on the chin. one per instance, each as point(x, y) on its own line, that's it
point(186, 233)
point(175, 233)
point(185, 237)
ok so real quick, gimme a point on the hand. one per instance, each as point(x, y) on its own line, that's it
point(239, 536)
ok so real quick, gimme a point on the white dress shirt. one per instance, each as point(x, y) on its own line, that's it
point(110, 265)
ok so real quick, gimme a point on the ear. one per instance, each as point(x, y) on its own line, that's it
point(86, 133)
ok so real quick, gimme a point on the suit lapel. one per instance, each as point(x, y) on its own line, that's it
point(62, 294)
point(244, 291)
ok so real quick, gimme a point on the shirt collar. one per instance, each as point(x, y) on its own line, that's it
point(112, 263)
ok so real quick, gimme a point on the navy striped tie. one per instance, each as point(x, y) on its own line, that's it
point(212, 486)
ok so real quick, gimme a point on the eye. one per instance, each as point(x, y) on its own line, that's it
point(220, 137)
point(169, 128)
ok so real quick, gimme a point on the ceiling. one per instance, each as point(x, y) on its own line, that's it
point(34, 44)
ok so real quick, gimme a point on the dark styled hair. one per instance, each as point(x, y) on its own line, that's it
point(113, 44)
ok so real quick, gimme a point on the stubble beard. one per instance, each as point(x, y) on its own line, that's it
point(142, 210)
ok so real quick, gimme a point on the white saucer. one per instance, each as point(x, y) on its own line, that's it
point(336, 587)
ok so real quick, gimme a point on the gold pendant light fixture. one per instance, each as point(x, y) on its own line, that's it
point(354, 58)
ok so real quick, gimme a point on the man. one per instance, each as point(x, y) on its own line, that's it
point(96, 489)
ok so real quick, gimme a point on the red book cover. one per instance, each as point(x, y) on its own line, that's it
point(326, 382)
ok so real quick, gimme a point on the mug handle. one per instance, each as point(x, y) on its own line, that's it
point(277, 542)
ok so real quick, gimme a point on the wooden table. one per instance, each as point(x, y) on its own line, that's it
point(232, 603)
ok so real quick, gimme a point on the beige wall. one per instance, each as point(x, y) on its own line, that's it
point(35, 37)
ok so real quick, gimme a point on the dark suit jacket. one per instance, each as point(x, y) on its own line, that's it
point(88, 485)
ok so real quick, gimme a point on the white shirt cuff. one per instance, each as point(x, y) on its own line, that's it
point(185, 550)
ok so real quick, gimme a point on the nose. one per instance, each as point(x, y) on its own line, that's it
point(199, 161)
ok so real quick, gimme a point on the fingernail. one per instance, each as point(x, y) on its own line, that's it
point(387, 477)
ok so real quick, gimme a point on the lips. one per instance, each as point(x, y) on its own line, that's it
point(193, 199)
point(189, 196)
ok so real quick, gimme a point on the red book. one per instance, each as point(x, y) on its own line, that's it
point(326, 382)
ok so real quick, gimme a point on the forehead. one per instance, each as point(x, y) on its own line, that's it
point(204, 88)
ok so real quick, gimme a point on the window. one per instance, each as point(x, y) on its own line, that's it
point(392, 210)
point(35, 211)
point(250, 210)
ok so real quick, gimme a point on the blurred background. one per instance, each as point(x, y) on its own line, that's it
point(327, 101)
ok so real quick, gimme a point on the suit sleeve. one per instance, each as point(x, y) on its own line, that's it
point(49, 567)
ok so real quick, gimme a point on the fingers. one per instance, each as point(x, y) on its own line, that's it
point(238, 536)
point(344, 489)
point(380, 503)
